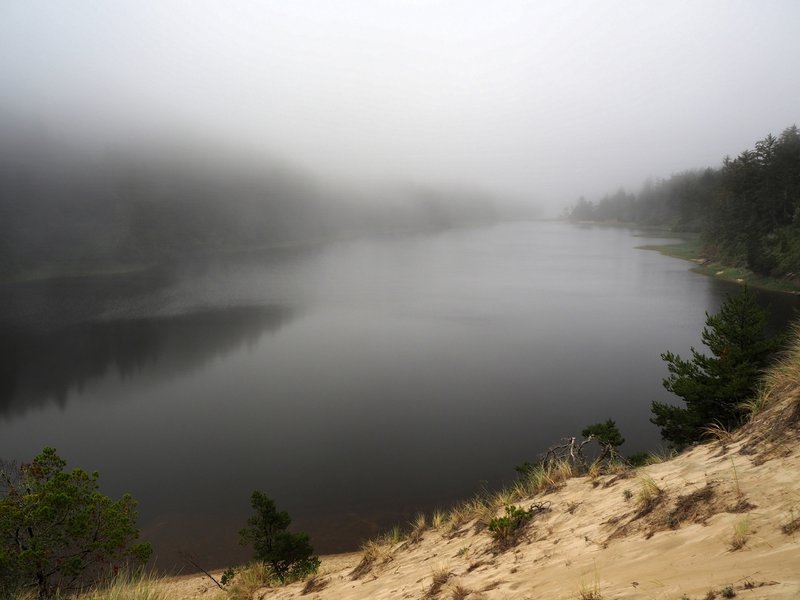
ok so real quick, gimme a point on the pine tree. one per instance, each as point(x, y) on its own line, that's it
point(289, 554)
point(58, 533)
point(713, 387)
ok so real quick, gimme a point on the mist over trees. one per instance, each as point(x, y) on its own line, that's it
point(747, 211)
point(65, 210)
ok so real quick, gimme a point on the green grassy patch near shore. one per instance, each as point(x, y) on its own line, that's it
point(692, 250)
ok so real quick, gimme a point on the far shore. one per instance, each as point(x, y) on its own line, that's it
point(692, 250)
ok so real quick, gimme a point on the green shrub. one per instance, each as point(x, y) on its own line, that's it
point(288, 554)
point(506, 529)
point(715, 387)
point(58, 532)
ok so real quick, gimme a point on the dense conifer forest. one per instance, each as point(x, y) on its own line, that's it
point(747, 212)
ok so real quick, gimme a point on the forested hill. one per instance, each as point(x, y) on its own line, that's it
point(747, 211)
point(66, 211)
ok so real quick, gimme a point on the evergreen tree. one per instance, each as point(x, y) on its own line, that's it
point(58, 533)
point(607, 435)
point(713, 387)
point(289, 554)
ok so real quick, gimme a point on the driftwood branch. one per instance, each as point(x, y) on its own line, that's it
point(191, 560)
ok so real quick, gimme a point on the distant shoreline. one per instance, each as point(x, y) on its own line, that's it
point(692, 251)
point(54, 272)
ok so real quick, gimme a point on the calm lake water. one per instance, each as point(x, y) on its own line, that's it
point(356, 383)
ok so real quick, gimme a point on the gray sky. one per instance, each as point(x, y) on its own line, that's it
point(540, 100)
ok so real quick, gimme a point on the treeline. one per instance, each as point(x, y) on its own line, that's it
point(747, 211)
point(65, 210)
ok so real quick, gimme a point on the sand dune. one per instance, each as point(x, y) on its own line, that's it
point(722, 515)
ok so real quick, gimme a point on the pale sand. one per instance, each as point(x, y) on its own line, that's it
point(591, 540)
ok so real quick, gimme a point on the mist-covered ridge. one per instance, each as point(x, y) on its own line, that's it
point(65, 210)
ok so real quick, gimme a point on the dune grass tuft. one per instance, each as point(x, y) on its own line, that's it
point(741, 529)
point(590, 591)
point(438, 519)
point(439, 579)
point(128, 585)
point(249, 579)
point(649, 494)
point(418, 527)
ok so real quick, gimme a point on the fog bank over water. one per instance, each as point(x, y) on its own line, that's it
point(67, 209)
point(529, 102)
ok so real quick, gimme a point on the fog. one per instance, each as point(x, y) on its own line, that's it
point(527, 102)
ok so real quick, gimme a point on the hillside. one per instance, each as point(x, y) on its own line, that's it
point(725, 514)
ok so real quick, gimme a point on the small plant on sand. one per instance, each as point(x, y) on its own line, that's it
point(590, 591)
point(418, 527)
point(249, 579)
point(740, 532)
point(736, 480)
point(227, 576)
point(506, 529)
point(503, 497)
point(627, 494)
point(717, 431)
point(793, 524)
point(481, 509)
point(756, 404)
point(727, 592)
point(438, 580)
point(649, 494)
point(460, 592)
point(519, 491)
point(672, 521)
point(288, 554)
point(458, 516)
point(395, 535)
point(595, 470)
point(377, 551)
point(437, 519)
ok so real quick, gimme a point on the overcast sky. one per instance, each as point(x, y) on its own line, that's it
point(539, 100)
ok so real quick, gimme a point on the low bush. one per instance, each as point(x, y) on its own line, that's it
point(506, 529)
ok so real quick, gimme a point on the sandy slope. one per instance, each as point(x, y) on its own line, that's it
point(593, 542)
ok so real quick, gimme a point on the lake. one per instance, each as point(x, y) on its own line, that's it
point(356, 383)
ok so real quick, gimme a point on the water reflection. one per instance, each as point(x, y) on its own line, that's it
point(40, 366)
point(397, 375)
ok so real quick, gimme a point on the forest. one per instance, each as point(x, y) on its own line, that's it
point(67, 210)
point(747, 212)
